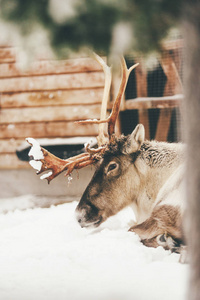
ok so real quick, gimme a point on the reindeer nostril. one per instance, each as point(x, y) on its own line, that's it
point(162, 238)
point(79, 220)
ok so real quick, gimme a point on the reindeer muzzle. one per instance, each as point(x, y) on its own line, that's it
point(88, 216)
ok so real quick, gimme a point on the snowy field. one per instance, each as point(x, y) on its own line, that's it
point(44, 254)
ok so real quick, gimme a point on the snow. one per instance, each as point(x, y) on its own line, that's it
point(61, 141)
point(37, 165)
point(35, 154)
point(45, 254)
point(11, 126)
point(35, 150)
point(46, 175)
point(89, 143)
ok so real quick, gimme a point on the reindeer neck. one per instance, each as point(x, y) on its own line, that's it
point(161, 154)
point(155, 163)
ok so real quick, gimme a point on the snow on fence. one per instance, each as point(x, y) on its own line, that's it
point(44, 101)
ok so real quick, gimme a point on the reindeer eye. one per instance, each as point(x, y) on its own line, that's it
point(111, 167)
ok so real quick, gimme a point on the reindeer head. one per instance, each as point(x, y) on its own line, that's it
point(115, 182)
point(97, 202)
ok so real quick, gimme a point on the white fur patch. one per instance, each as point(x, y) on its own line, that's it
point(172, 193)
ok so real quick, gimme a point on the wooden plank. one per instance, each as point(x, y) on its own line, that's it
point(7, 55)
point(163, 124)
point(10, 146)
point(52, 98)
point(46, 130)
point(141, 84)
point(177, 56)
point(172, 45)
point(144, 119)
point(173, 85)
point(11, 161)
point(52, 82)
point(78, 65)
point(141, 79)
point(45, 114)
point(154, 102)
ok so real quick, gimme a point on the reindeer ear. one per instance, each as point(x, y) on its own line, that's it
point(135, 140)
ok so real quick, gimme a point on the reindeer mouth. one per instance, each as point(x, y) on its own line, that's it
point(89, 215)
point(89, 224)
point(97, 223)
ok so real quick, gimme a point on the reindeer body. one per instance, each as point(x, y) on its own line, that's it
point(148, 176)
point(156, 163)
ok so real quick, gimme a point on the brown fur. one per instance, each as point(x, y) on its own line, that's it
point(165, 220)
point(143, 174)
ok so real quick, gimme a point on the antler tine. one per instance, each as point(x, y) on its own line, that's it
point(42, 160)
point(108, 77)
point(111, 120)
point(116, 106)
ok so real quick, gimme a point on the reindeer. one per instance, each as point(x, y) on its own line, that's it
point(147, 175)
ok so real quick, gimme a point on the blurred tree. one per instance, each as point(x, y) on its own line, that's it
point(92, 23)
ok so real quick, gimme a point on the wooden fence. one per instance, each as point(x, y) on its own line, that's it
point(44, 101)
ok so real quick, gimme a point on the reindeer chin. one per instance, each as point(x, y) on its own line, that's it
point(93, 224)
point(85, 221)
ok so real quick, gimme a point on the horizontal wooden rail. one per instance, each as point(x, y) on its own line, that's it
point(52, 67)
point(11, 161)
point(52, 82)
point(52, 98)
point(173, 45)
point(154, 102)
point(46, 114)
point(46, 130)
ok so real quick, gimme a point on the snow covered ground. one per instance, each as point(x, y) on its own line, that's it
point(44, 254)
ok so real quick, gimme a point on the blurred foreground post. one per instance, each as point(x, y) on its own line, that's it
point(192, 115)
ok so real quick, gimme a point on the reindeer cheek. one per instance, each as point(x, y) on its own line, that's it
point(94, 190)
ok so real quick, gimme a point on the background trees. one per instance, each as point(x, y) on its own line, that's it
point(94, 23)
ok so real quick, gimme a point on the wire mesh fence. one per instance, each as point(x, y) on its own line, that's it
point(157, 77)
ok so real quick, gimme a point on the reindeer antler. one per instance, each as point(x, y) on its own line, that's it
point(43, 161)
point(108, 77)
point(111, 120)
point(46, 161)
